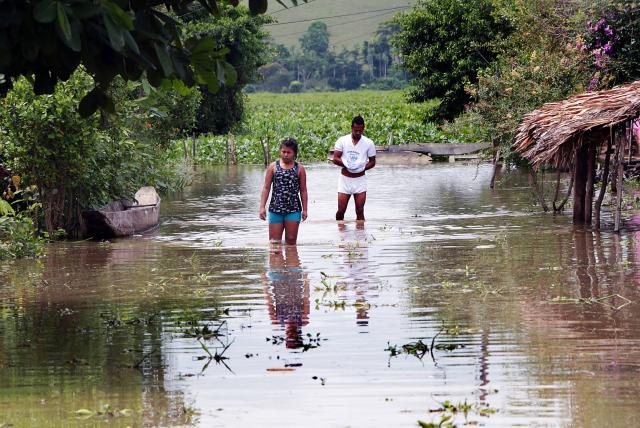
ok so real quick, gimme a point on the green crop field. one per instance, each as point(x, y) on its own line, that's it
point(316, 120)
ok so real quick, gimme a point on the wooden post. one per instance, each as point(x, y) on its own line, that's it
point(580, 184)
point(620, 174)
point(605, 181)
point(186, 149)
point(268, 151)
point(496, 158)
point(591, 172)
point(234, 160)
point(226, 150)
point(629, 135)
point(194, 147)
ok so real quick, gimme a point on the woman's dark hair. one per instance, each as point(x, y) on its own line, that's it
point(292, 144)
point(358, 120)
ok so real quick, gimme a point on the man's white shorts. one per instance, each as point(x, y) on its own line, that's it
point(352, 185)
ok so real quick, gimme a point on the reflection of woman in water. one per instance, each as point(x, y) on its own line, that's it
point(287, 293)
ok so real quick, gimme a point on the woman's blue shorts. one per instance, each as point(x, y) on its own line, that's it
point(276, 218)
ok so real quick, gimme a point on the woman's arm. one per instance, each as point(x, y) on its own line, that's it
point(303, 191)
point(268, 178)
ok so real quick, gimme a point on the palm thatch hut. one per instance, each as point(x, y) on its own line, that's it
point(572, 133)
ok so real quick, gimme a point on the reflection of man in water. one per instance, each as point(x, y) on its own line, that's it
point(287, 293)
point(356, 260)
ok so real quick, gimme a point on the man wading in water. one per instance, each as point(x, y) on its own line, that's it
point(355, 153)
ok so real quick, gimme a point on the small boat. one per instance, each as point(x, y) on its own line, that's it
point(124, 217)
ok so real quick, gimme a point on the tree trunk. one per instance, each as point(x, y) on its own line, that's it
point(603, 186)
point(580, 183)
point(591, 170)
point(620, 137)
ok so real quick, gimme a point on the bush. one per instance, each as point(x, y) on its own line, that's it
point(295, 87)
point(78, 163)
point(219, 113)
point(17, 238)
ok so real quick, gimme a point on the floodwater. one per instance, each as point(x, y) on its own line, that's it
point(451, 293)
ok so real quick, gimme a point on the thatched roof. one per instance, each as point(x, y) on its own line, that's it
point(552, 133)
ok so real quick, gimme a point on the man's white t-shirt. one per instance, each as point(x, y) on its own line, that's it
point(355, 156)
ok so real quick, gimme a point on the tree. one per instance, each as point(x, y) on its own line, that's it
point(444, 43)
point(47, 40)
point(316, 39)
point(243, 35)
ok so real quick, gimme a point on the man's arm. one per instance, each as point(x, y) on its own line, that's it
point(337, 158)
point(371, 163)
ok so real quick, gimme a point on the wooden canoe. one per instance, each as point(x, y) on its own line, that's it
point(124, 217)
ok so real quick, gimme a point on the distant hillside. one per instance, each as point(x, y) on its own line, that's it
point(345, 31)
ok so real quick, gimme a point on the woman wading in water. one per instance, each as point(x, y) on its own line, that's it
point(289, 180)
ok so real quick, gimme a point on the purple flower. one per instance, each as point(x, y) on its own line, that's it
point(608, 48)
point(601, 22)
point(608, 31)
point(593, 83)
point(598, 54)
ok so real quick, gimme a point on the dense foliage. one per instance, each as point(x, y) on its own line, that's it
point(18, 238)
point(444, 43)
point(76, 163)
point(50, 39)
point(316, 120)
point(243, 35)
point(373, 64)
point(538, 63)
point(612, 43)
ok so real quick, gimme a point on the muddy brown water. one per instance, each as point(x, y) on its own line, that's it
point(535, 322)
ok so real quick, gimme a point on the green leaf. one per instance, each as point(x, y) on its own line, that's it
point(105, 102)
point(211, 6)
point(119, 16)
point(213, 85)
point(44, 12)
point(63, 22)
point(258, 6)
point(6, 208)
point(204, 46)
point(115, 31)
point(131, 42)
point(230, 74)
point(164, 58)
point(89, 103)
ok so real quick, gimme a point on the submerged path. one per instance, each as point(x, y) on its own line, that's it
point(451, 292)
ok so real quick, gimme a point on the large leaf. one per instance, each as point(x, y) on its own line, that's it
point(115, 31)
point(63, 21)
point(231, 76)
point(164, 58)
point(89, 103)
point(131, 42)
point(258, 6)
point(45, 11)
point(119, 16)
point(6, 208)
